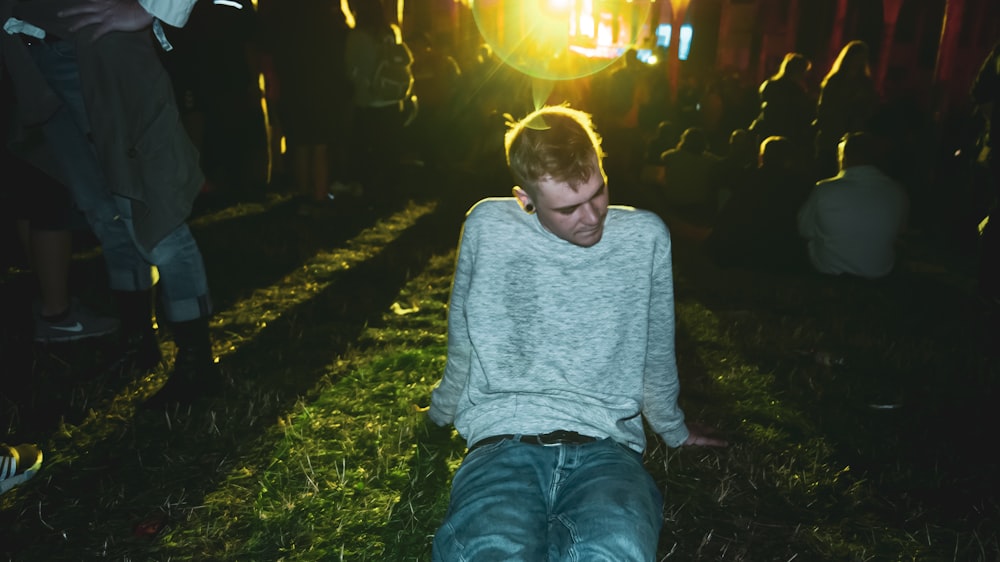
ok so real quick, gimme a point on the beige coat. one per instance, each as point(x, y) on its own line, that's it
point(143, 148)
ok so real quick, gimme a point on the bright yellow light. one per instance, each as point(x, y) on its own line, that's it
point(604, 35)
point(561, 39)
point(982, 225)
point(284, 144)
point(587, 19)
point(348, 14)
point(268, 131)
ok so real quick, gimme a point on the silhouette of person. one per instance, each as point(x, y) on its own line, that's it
point(691, 174)
point(786, 108)
point(847, 100)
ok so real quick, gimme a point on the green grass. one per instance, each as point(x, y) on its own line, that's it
point(321, 449)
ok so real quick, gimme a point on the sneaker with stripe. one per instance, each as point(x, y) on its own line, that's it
point(18, 464)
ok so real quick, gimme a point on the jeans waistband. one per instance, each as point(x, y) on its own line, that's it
point(559, 437)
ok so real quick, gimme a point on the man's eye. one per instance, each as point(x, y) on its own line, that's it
point(567, 212)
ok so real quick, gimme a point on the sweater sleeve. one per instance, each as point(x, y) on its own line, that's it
point(444, 398)
point(660, 382)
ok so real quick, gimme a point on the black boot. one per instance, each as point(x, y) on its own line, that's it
point(194, 350)
point(195, 372)
point(141, 347)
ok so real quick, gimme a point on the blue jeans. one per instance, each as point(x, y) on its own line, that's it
point(183, 283)
point(518, 501)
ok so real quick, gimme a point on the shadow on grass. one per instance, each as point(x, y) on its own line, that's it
point(104, 486)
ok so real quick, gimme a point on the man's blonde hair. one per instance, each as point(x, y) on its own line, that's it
point(556, 142)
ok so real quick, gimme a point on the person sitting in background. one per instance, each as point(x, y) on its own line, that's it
point(738, 164)
point(756, 227)
point(851, 221)
point(666, 138)
point(653, 174)
point(689, 192)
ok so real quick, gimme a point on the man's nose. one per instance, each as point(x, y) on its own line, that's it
point(591, 215)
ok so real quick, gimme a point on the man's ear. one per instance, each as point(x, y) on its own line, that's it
point(523, 198)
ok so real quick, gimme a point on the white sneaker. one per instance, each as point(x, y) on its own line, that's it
point(18, 464)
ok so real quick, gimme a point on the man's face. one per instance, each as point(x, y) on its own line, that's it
point(575, 215)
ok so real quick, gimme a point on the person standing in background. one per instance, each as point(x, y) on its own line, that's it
point(847, 101)
point(87, 72)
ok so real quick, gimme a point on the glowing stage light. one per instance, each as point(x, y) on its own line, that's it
point(685, 43)
point(561, 39)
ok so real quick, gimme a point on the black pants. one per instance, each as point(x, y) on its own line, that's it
point(375, 145)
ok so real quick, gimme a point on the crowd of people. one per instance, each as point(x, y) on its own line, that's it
point(123, 110)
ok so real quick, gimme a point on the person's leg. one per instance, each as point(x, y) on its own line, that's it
point(183, 284)
point(498, 506)
point(607, 506)
point(184, 296)
point(300, 168)
point(50, 256)
point(67, 133)
point(320, 173)
point(48, 252)
point(44, 225)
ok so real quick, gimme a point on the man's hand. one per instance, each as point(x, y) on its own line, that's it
point(108, 16)
point(702, 436)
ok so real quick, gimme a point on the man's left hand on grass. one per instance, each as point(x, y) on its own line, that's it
point(700, 435)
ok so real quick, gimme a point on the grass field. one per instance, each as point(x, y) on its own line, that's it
point(862, 414)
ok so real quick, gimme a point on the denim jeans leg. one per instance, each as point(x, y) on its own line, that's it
point(67, 133)
point(183, 283)
point(515, 501)
point(607, 506)
point(498, 508)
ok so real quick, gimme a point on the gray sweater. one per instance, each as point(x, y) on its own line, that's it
point(546, 335)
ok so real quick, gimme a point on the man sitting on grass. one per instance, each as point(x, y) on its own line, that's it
point(851, 221)
point(560, 342)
